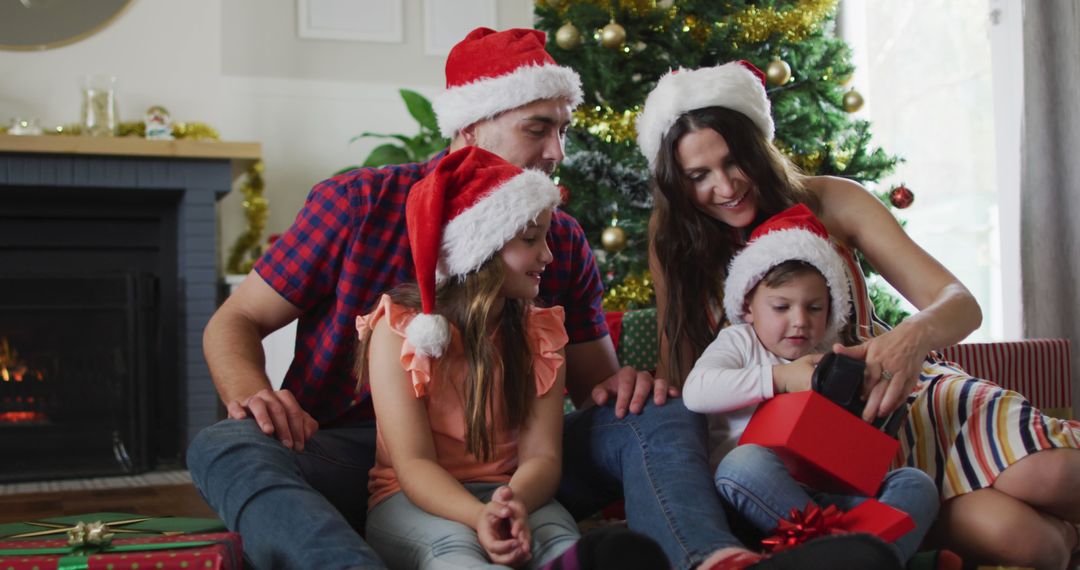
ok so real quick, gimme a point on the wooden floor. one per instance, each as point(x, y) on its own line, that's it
point(176, 500)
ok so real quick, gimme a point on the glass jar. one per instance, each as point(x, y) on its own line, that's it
point(99, 105)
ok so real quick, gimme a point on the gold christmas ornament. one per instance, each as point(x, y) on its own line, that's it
point(612, 35)
point(853, 101)
point(613, 238)
point(778, 72)
point(555, 3)
point(568, 36)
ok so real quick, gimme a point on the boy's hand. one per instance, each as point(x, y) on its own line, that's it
point(503, 529)
point(796, 375)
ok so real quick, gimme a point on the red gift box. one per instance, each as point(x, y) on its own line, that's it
point(211, 551)
point(822, 445)
point(877, 518)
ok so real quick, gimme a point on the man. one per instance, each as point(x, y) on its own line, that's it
point(288, 469)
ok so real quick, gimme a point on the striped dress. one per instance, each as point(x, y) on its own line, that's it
point(961, 430)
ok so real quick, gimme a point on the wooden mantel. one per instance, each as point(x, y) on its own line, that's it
point(242, 154)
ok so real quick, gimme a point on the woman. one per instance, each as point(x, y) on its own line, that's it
point(707, 135)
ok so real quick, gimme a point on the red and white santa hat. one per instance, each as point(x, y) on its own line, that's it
point(489, 72)
point(460, 215)
point(737, 85)
point(794, 234)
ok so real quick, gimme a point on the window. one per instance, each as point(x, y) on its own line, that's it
point(924, 69)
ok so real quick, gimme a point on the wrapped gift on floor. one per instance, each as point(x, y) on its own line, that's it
point(119, 541)
point(822, 445)
point(870, 517)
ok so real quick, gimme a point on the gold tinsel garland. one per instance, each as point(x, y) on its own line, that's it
point(193, 131)
point(608, 124)
point(636, 291)
point(635, 7)
point(256, 210)
point(756, 25)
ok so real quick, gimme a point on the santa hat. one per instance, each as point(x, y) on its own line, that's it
point(738, 85)
point(460, 215)
point(489, 72)
point(794, 234)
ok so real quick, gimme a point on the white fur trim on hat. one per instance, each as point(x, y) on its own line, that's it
point(463, 105)
point(730, 85)
point(475, 234)
point(772, 249)
point(430, 334)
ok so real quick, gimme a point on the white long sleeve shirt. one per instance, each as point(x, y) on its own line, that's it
point(728, 381)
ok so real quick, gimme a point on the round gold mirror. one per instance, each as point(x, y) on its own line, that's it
point(46, 24)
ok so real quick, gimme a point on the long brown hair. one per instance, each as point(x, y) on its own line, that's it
point(694, 248)
point(467, 304)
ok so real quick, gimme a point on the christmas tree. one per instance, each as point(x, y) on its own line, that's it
point(621, 47)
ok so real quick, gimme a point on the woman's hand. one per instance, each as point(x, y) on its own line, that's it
point(503, 529)
point(893, 363)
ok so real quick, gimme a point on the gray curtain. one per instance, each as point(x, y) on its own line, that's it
point(1050, 175)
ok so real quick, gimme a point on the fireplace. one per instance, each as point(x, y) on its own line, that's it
point(78, 354)
point(108, 273)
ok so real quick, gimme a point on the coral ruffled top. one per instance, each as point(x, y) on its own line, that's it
point(440, 389)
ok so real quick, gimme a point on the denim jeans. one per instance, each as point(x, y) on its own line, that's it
point(299, 510)
point(408, 537)
point(658, 462)
point(292, 510)
point(755, 482)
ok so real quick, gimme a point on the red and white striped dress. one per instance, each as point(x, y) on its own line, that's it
point(961, 430)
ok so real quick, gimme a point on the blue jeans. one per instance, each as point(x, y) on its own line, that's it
point(755, 482)
point(407, 536)
point(299, 510)
point(658, 462)
point(292, 510)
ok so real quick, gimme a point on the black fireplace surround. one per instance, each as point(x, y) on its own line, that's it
point(107, 276)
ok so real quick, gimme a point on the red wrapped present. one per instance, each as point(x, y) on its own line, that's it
point(871, 517)
point(822, 445)
point(114, 540)
point(877, 518)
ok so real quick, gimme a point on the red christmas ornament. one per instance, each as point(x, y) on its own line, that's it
point(901, 196)
point(802, 526)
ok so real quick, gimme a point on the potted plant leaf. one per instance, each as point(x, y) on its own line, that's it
point(416, 148)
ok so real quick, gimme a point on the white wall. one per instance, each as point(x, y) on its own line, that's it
point(239, 66)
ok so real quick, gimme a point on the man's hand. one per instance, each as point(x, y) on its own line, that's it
point(277, 413)
point(503, 529)
point(631, 388)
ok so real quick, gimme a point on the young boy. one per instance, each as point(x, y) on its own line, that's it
point(786, 296)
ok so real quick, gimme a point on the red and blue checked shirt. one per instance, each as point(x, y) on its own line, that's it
point(348, 245)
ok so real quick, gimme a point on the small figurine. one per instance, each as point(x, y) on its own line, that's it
point(158, 124)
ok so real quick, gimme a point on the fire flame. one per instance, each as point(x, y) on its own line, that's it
point(11, 369)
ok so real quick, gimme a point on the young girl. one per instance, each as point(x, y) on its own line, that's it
point(1006, 473)
point(467, 379)
point(786, 295)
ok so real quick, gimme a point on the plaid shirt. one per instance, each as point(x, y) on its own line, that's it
point(348, 245)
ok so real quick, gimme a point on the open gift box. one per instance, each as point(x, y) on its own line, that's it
point(822, 445)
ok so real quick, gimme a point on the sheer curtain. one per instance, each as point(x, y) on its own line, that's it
point(1050, 175)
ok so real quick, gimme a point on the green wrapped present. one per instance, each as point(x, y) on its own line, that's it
point(638, 342)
